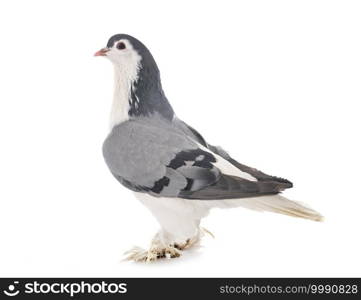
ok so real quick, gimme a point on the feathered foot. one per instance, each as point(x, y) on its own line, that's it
point(154, 253)
point(161, 248)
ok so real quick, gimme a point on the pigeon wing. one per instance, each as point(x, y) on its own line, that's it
point(159, 159)
point(259, 175)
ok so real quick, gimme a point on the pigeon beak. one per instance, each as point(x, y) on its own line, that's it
point(102, 52)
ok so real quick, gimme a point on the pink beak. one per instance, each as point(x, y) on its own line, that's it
point(102, 52)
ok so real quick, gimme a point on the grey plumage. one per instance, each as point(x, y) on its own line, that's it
point(170, 166)
point(157, 156)
point(139, 151)
point(284, 183)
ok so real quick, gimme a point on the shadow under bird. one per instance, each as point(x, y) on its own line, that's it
point(169, 166)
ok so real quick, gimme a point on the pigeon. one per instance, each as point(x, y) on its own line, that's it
point(168, 164)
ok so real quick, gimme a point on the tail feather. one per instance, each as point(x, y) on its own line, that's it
point(274, 203)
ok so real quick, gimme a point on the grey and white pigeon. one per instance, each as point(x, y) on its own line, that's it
point(169, 166)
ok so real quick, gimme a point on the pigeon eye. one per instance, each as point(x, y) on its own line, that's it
point(121, 46)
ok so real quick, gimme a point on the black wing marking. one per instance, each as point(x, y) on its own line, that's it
point(206, 182)
point(192, 175)
point(231, 187)
point(196, 167)
point(260, 176)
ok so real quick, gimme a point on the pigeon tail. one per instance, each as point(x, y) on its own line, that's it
point(273, 203)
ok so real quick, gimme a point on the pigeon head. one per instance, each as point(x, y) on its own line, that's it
point(137, 80)
point(126, 52)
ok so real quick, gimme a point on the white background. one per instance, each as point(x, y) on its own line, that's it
point(276, 83)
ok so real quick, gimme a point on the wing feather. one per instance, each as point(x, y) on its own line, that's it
point(160, 158)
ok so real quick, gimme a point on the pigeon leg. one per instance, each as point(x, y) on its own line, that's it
point(156, 251)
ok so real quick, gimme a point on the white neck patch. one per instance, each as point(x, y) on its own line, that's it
point(126, 66)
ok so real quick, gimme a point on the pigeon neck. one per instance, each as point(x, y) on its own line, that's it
point(138, 92)
point(123, 81)
point(147, 97)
